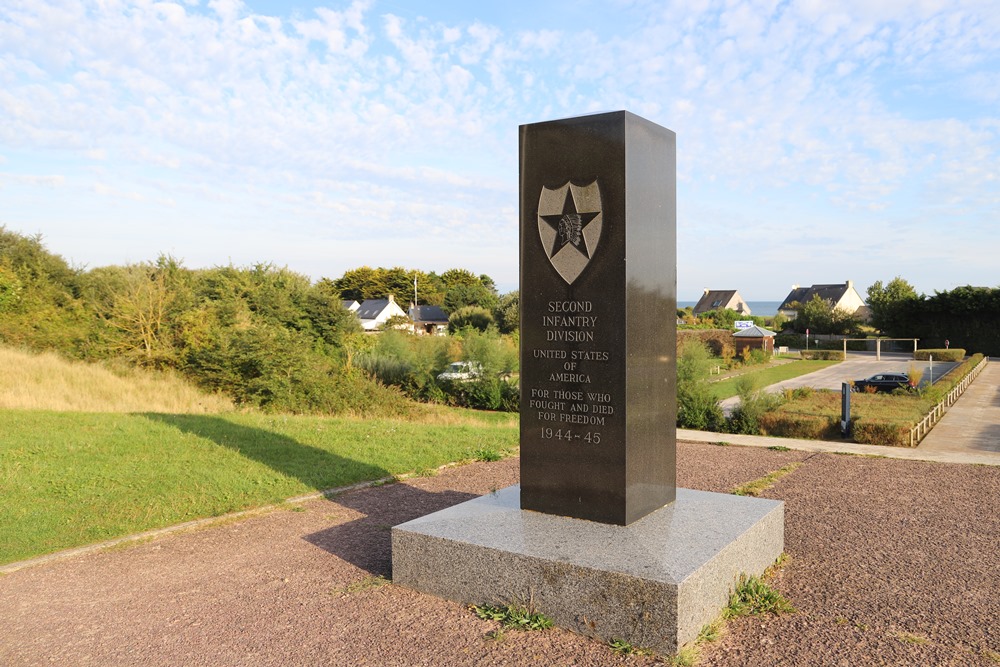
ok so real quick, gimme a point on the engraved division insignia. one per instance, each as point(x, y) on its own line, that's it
point(569, 224)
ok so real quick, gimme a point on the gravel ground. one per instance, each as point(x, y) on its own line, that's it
point(891, 562)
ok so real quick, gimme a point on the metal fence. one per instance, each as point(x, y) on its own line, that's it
point(918, 432)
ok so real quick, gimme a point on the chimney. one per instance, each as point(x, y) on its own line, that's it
point(850, 284)
point(795, 286)
point(392, 299)
point(706, 290)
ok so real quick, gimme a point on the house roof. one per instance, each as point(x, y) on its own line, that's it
point(372, 308)
point(803, 295)
point(350, 304)
point(754, 332)
point(427, 314)
point(716, 299)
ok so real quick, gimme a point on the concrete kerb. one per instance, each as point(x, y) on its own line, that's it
point(915, 454)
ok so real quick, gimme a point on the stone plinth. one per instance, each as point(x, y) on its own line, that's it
point(653, 583)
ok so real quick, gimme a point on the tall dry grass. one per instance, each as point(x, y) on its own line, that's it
point(46, 381)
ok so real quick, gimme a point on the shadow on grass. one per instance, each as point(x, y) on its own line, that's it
point(314, 467)
point(364, 542)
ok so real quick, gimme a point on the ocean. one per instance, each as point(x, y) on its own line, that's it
point(759, 308)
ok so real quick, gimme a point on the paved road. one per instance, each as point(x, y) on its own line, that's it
point(973, 423)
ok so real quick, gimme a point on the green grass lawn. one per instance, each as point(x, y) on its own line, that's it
point(770, 375)
point(69, 479)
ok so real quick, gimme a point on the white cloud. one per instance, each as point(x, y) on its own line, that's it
point(353, 119)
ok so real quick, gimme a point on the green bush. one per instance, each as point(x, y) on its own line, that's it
point(754, 403)
point(827, 355)
point(697, 407)
point(941, 354)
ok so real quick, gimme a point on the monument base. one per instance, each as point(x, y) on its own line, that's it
point(654, 583)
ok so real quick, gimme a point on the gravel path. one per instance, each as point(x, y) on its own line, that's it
point(891, 562)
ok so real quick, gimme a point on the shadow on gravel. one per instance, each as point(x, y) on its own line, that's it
point(367, 542)
point(317, 468)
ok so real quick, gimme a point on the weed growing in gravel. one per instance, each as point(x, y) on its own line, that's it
point(623, 647)
point(374, 581)
point(690, 654)
point(758, 486)
point(779, 448)
point(516, 617)
point(911, 638)
point(991, 655)
point(753, 596)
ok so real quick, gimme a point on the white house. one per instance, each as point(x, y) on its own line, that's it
point(373, 313)
point(840, 296)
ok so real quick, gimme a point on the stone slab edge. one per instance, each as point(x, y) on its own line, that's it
point(651, 612)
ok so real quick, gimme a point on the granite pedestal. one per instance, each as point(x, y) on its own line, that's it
point(654, 583)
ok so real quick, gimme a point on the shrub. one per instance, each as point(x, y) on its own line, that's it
point(754, 403)
point(890, 434)
point(697, 407)
point(828, 355)
point(941, 354)
point(794, 425)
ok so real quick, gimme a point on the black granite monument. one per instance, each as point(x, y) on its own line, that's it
point(598, 405)
point(598, 313)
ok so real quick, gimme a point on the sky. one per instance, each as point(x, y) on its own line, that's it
point(817, 142)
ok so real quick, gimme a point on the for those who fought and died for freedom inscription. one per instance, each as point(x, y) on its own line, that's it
point(596, 365)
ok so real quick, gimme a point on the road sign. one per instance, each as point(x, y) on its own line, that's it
point(743, 324)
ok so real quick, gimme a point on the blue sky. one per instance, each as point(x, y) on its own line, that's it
point(817, 142)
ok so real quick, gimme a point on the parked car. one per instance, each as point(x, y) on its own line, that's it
point(462, 370)
point(884, 382)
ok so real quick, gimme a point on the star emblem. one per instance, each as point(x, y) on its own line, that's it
point(569, 226)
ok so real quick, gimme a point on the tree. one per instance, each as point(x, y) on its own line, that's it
point(476, 294)
point(368, 283)
point(885, 302)
point(819, 315)
point(470, 316)
point(508, 312)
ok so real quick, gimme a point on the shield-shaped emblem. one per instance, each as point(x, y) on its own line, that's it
point(569, 225)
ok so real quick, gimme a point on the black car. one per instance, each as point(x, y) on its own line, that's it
point(884, 382)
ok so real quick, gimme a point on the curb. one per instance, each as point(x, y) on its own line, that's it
point(829, 447)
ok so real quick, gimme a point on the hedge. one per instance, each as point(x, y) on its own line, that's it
point(889, 434)
point(940, 354)
point(714, 339)
point(797, 425)
point(829, 355)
